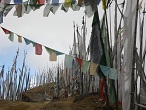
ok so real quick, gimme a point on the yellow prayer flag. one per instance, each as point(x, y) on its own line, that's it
point(93, 67)
point(67, 3)
point(104, 4)
point(19, 39)
point(53, 56)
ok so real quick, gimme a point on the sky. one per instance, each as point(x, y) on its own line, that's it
point(55, 31)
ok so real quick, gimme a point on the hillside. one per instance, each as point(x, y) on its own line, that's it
point(37, 99)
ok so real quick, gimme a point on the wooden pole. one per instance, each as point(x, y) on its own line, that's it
point(133, 62)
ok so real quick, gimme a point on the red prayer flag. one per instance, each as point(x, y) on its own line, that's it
point(101, 90)
point(5, 30)
point(38, 49)
point(41, 1)
point(80, 61)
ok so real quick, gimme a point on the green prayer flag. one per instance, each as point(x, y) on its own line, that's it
point(11, 36)
point(49, 50)
point(85, 66)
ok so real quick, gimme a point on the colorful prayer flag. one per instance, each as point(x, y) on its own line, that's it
point(5, 30)
point(18, 1)
point(105, 70)
point(93, 67)
point(55, 2)
point(80, 61)
point(102, 96)
point(11, 36)
point(67, 3)
point(109, 72)
point(19, 39)
point(27, 41)
point(54, 7)
point(68, 61)
point(85, 66)
point(53, 56)
point(41, 1)
point(19, 10)
point(38, 49)
point(104, 4)
point(49, 50)
point(98, 1)
point(95, 42)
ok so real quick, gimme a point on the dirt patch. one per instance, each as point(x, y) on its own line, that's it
point(35, 99)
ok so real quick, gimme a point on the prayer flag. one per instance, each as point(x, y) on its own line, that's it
point(53, 56)
point(105, 70)
point(102, 96)
point(18, 1)
point(11, 36)
point(98, 1)
point(41, 1)
point(104, 4)
point(68, 61)
point(85, 66)
point(93, 67)
point(109, 72)
point(54, 7)
point(65, 9)
point(19, 39)
point(114, 74)
point(5, 30)
point(55, 2)
point(95, 42)
point(27, 7)
point(80, 61)
point(33, 2)
point(19, 10)
point(38, 49)
point(46, 10)
point(67, 3)
point(49, 50)
point(27, 41)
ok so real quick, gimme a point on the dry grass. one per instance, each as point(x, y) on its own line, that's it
point(90, 102)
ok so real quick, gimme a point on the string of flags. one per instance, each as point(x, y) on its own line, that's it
point(84, 65)
point(38, 47)
point(111, 73)
point(26, 7)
